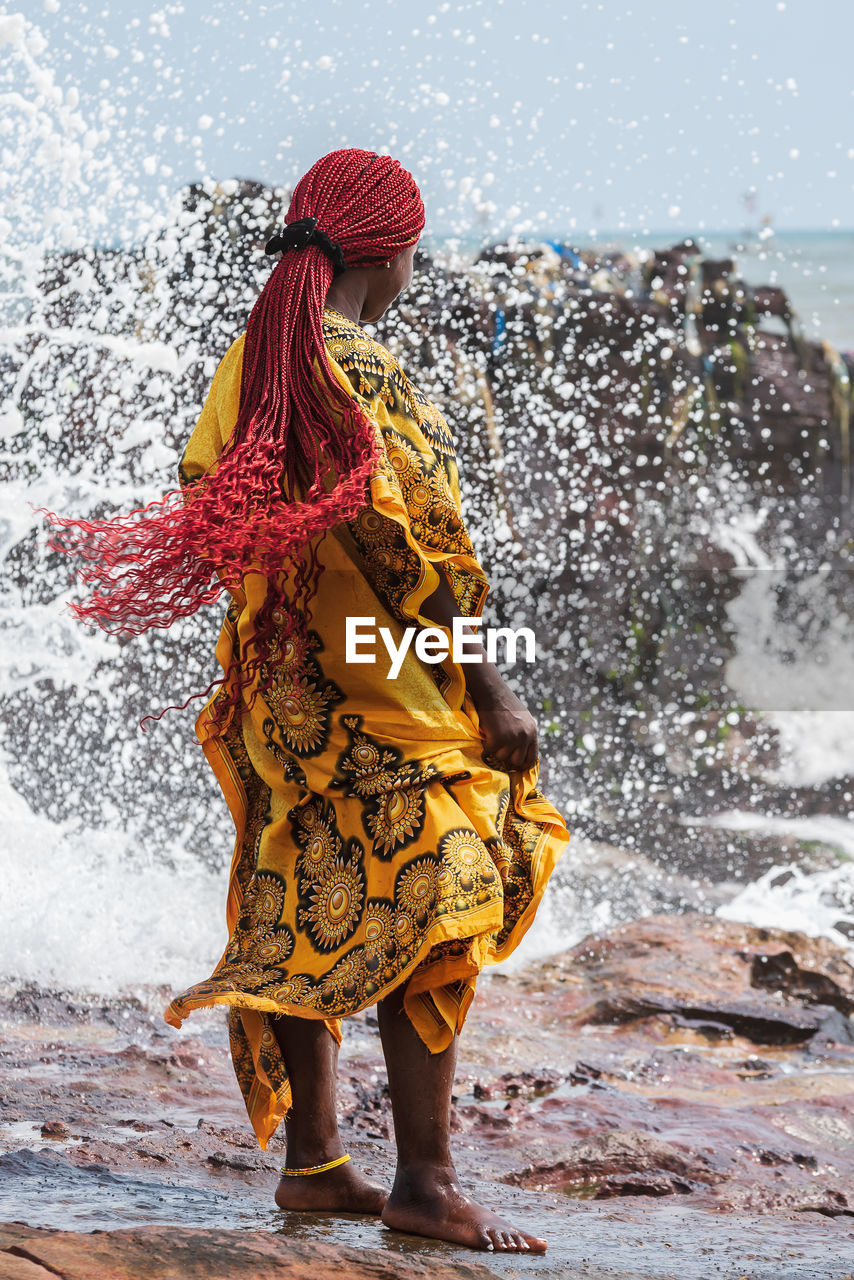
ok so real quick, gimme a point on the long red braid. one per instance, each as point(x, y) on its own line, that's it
point(296, 423)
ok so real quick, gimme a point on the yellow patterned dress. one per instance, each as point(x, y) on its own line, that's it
point(374, 846)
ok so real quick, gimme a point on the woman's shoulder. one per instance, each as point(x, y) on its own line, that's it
point(357, 353)
point(375, 374)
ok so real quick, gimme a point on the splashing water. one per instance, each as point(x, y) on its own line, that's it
point(604, 496)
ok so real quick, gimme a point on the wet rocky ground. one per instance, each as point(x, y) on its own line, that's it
point(674, 1098)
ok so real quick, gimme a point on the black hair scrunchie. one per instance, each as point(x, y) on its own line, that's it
point(302, 233)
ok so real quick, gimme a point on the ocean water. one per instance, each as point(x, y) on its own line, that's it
point(816, 269)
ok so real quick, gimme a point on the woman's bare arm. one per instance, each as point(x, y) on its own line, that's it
point(508, 729)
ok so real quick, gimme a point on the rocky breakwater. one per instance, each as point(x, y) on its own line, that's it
point(672, 1098)
point(637, 436)
point(645, 441)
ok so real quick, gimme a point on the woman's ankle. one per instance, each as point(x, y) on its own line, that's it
point(305, 1150)
point(438, 1172)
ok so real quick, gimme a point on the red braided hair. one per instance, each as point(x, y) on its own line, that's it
point(265, 497)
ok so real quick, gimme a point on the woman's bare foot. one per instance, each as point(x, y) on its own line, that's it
point(341, 1190)
point(428, 1201)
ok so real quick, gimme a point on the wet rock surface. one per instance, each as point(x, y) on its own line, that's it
point(680, 1079)
point(162, 1253)
point(715, 1061)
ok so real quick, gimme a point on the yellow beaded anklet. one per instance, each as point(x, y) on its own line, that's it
point(317, 1168)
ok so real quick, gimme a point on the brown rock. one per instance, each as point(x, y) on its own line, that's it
point(671, 1101)
point(767, 985)
point(779, 971)
point(654, 1024)
point(16, 1267)
point(757, 1020)
point(516, 1084)
point(54, 1129)
point(162, 1253)
point(609, 1163)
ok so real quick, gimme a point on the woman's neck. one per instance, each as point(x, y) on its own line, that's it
point(347, 296)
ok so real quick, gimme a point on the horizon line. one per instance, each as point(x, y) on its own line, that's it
point(743, 233)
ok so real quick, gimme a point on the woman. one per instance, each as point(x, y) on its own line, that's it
point(391, 838)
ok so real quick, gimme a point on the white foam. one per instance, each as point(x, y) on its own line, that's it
point(815, 745)
point(796, 668)
point(804, 687)
point(786, 897)
point(816, 903)
point(90, 911)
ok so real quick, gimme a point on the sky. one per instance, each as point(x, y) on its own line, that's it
point(560, 117)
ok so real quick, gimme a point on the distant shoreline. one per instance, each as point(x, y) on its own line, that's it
point(814, 267)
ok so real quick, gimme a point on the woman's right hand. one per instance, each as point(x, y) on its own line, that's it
point(508, 729)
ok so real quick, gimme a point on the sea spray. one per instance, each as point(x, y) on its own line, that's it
point(609, 483)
